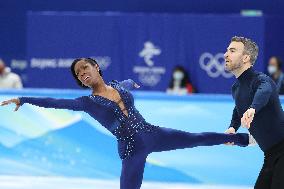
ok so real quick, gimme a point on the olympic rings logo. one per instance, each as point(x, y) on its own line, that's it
point(214, 65)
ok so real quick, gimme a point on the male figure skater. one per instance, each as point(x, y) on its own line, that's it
point(257, 107)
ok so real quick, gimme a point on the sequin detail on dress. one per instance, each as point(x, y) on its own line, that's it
point(129, 125)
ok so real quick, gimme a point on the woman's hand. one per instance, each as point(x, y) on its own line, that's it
point(136, 85)
point(231, 130)
point(16, 101)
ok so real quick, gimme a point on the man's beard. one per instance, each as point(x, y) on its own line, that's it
point(233, 67)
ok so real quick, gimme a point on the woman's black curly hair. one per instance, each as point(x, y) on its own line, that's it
point(90, 61)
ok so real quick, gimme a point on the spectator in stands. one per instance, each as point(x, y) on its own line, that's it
point(180, 82)
point(9, 79)
point(275, 72)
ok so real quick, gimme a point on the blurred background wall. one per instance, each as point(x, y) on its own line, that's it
point(189, 29)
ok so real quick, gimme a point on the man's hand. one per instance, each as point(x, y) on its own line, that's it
point(231, 130)
point(247, 118)
point(16, 101)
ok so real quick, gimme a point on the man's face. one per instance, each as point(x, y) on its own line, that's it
point(234, 56)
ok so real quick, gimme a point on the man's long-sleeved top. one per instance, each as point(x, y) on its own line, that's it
point(256, 90)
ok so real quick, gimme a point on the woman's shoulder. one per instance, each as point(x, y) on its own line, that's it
point(83, 98)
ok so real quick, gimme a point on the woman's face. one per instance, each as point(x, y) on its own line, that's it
point(87, 73)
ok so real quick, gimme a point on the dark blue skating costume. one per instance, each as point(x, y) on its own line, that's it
point(136, 138)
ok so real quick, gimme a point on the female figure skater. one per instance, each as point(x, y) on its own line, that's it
point(113, 106)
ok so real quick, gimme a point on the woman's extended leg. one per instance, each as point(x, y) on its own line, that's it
point(169, 139)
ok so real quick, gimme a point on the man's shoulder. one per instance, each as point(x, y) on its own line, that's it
point(262, 76)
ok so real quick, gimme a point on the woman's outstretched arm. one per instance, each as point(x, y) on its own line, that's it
point(70, 104)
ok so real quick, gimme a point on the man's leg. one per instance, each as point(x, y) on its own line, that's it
point(278, 174)
point(264, 179)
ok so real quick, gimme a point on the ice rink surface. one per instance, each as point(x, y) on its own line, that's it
point(29, 182)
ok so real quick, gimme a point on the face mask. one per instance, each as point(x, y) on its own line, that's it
point(271, 69)
point(178, 75)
